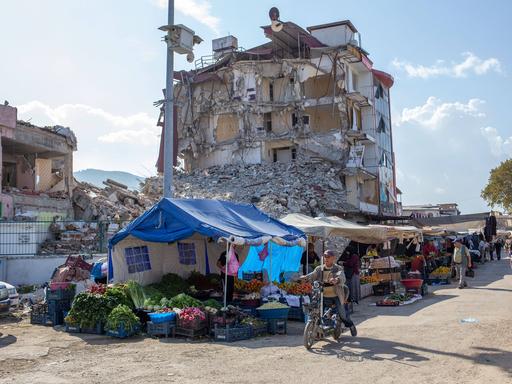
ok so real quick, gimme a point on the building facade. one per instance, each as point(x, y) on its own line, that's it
point(305, 94)
point(36, 177)
point(431, 210)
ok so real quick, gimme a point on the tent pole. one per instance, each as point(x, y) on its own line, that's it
point(270, 274)
point(226, 275)
point(307, 254)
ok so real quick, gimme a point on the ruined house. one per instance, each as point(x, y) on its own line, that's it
point(36, 177)
point(310, 94)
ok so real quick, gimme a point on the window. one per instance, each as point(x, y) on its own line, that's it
point(267, 121)
point(294, 154)
point(305, 119)
point(271, 91)
point(137, 259)
point(187, 253)
point(379, 93)
point(382, 126)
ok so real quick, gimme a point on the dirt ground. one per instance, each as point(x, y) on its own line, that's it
point(424, 342)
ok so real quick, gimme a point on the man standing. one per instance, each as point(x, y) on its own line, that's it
point(225, 274)
point(462, 260)
point(308, 259)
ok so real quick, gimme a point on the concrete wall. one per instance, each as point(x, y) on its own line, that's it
point(323, 119)
point(32, 270)
point(25, 177)
point(333, 36)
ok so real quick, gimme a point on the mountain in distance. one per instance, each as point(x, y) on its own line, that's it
point(97, 177)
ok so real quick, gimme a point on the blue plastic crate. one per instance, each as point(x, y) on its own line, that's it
point(260, 330)
point(122, 333)
point(161, 329)
point(280, 313)
point(96, 330)
point(234, 333)
point(73, 328)
point(40, 319)
point(165, 317)
point(277, 326)
point(296, 314)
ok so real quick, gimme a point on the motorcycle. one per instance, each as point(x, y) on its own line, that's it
point(321, 321)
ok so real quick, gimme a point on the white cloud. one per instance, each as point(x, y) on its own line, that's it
point(105, 140)
point(440, 191)
point(471, 64)
point(434, 112)
point(499, 145)
point(196, 9)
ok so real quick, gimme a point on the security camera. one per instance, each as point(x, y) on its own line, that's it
point(190, 57)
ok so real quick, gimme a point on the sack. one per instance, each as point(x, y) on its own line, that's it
point(470, 273)
point(233, 264)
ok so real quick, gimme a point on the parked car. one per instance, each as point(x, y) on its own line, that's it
point(13, 294)
point(5, 302)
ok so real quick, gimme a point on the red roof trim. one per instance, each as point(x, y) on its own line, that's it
point(385, 78)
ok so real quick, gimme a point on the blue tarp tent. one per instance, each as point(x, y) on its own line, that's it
point(204, 221)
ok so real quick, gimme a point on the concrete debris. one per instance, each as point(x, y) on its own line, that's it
point(115, 202)
point(276, 188)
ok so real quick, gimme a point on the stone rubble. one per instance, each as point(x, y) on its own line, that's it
point(307, 187)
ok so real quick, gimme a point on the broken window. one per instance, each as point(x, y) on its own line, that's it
point(382, 126)
point(9, 174)
point(305, 119)
point(295, 120)
point(271, 91)
point(187, 253)
point(267, 121)
point(379, 93)
point(137, 259)
point(294, 154)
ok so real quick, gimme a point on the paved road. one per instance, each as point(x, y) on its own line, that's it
point(424, 342)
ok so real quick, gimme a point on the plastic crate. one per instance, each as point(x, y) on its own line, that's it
point(194, 325)
point(60, 294)
point(122, 333)
point(192, 333)
point(73, 328)
point(56, 318)
point(296, 314)
point(97, 330)
point(259, 330)
point(251, 311)
point(281, 313)
point(235, 333)
point(277, 326)
point(161, 329)
point(58, 306)
point(40, 319)
point(164, 317)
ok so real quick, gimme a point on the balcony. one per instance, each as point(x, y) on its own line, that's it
point(360, 137)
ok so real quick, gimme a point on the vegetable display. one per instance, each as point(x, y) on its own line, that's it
point(273, 305)
point(302, 288)
point(136, 293)
point(122, 315)
point(248, 286)
point(190, 316)
point(183, 301)
point(369, 279)
point(212, 303)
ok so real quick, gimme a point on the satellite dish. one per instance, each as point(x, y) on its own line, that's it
point(276, 26)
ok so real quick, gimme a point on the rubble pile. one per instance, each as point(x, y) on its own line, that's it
point(276, 188)
point(68, 238)
point(114, 202)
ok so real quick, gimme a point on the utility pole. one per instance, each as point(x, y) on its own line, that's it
point(169, 110)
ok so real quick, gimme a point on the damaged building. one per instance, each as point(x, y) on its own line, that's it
point(36, 177)
point(306, 95)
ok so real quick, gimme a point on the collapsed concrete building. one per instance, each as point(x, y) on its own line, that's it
point(305, 95)
point(37, 168)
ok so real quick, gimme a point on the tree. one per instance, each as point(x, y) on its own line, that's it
point(498, 191)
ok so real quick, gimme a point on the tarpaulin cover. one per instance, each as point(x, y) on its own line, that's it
point(173, 219)
point(282, 258)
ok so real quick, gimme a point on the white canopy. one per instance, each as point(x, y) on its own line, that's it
point(334, 226)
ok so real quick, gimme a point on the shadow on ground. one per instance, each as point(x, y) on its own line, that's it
point(363, 348)
point(7, 340)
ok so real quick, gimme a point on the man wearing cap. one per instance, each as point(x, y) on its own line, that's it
point(335, 290)
point(461, 260)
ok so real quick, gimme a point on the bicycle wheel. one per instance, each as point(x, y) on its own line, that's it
point(309, 334)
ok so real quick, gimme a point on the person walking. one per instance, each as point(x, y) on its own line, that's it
point(462, 261)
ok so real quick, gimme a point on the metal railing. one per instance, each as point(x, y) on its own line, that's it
point(30, 238)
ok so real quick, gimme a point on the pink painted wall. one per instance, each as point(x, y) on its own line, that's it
point(7, 206)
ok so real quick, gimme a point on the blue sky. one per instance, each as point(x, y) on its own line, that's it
point(98, 65)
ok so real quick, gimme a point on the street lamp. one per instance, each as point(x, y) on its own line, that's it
point(182, 40)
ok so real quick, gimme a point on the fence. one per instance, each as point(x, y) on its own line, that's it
point(29, 238)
